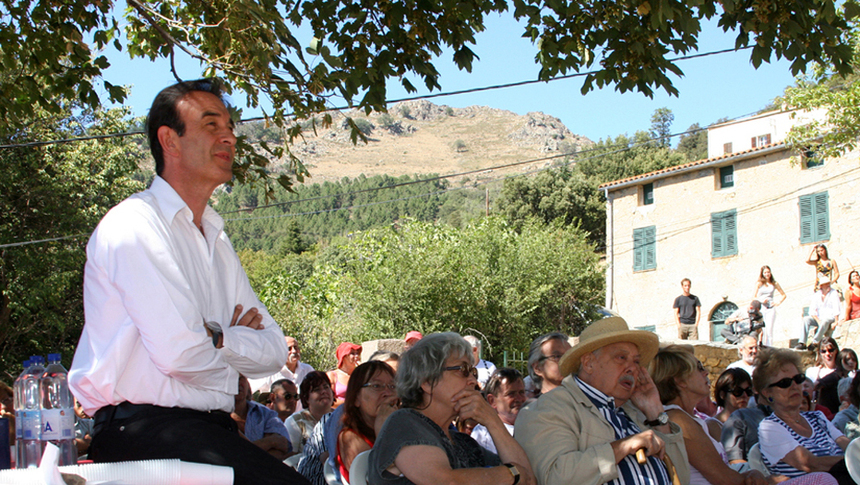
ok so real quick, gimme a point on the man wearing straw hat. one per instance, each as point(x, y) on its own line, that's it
point(588, 430)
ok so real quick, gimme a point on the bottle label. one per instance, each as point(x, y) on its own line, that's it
point(19, 425)
point(30, 424)
point(58, 424)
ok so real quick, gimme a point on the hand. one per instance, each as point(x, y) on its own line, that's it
point(383, 411)
point(645, 395)
point(275, 444)
point(646, 440)
point(754, 477)
point(252, 318)
point(469, 404)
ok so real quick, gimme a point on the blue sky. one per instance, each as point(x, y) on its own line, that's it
point(713, 87)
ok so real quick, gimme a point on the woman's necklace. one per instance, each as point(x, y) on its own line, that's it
point(796, 420)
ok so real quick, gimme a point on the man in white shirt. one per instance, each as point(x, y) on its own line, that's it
point(748, 349)
point(171, 320)
point(506, 393)
point(294, 369)
point(485, 368)
point(824, 311)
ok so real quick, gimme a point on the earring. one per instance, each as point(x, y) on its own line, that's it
point(769, 399)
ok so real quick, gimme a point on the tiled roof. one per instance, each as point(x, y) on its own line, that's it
point(692, 165)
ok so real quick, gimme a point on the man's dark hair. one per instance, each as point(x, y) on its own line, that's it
point(163, 112)
point(283, 383)
point(501, 375)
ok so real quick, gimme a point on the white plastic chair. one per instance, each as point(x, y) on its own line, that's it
point(755, 460)
point(358, 469)
point(293, 460)
point(852, 459)
point(330, 477)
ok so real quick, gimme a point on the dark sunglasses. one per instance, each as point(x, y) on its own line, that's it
point(740, 391)
point(786, 382)
point(465, 370)
point(290, 397)
point(828, 351)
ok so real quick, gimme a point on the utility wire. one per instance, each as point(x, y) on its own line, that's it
point(344, 108)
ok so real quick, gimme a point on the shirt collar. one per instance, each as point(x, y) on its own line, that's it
point(172, 204)
point(597, 397)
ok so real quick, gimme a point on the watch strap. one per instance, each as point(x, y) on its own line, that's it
point(514, 471)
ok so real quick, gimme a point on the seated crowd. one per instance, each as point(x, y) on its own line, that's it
point(616, 407)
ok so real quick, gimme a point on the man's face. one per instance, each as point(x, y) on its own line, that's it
point(294, 353)
point(509, 399)
point(207, 148)
point(825, 288)
point(685, 287)
point(280, 403)
point(749, 349)
point(547, 367)
point(613, 370)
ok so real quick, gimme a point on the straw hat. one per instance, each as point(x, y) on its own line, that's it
point(604, 332)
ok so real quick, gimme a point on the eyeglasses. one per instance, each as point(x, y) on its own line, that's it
point(828, 351)
point(465, 370)
point(553, 357)
point(290, 397)
point(378, 387)
point(740, 391)
point(785, 383)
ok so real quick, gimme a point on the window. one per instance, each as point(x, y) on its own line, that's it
point(727, 177)
point(648, 194)
point(718, 320)
point(724, 233)
point(644, 248)
point(814, 218)
point(727, 148)
point(811, 159)
point(760, 141)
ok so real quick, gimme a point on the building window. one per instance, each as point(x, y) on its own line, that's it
point(760, 141)
point(811, 159)
point(718, 320)
point(727, 148)
point(724, 233)
point(648, 194)
point(814, 218)
point(644, 248)
point(727, 177)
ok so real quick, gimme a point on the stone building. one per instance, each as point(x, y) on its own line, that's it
point(718, 221)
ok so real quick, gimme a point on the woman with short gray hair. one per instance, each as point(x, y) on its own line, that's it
point(436, 382)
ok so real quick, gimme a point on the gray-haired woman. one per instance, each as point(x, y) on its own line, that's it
point(417, 444)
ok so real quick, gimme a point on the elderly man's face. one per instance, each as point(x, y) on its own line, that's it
point(749, 349)
point(613, 370)
point(508, 400)
point(294, 353)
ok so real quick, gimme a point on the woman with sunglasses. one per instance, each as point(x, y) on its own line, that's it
point(417, 444)
point(732, 392)
point(826, 373)
point(682, 382)
point(794, 443)
point(370, 397)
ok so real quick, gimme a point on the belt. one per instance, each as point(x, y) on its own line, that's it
point(124, 410)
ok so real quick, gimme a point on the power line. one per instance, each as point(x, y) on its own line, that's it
point(344, 108)
point(12, 245)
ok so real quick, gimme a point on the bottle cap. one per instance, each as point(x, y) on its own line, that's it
point(54, 357)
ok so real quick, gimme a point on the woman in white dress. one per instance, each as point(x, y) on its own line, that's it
point(765, 289)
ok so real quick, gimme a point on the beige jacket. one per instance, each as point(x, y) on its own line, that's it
point(568, 441)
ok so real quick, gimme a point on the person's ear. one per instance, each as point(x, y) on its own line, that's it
point(491, 399)
point(169, 140)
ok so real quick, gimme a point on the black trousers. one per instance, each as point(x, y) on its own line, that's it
point(152, 433)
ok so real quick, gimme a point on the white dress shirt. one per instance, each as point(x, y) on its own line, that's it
point(827, 307)
point(485, 370)
point(265, 384)
point(150, 281)
point(482, 435)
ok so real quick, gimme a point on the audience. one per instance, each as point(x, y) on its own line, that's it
point(83, 430)
point(747, 350)
point(485, 368)
point(316, 397)
point(607, 408)
point(315, 453)
point(390, 358)
point(506, 393)
point(348, 357)
point(260, 424)
point(824, 312)
point(848, 359)
point(412, 337)
point(370, 398)
point(846, 419)
point(826, 373)
point(682, 381)
point(436, 383)
point(732, 391)
point(293, 369)
point(795, 442)
point(544, 354)
point(283, 398)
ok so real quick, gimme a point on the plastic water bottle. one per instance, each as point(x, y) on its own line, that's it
point(19, 412)
point(58, 410)
point(29, 413)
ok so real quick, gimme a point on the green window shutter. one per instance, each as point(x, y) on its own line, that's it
point(806, 219)
point(644, 248)
point(822, 219)
point(724, 233)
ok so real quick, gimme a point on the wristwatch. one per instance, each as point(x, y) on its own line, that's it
point(514, 472)
point(662, 419)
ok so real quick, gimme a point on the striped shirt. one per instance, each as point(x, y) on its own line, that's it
point(630, 472)
point(777, 439)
